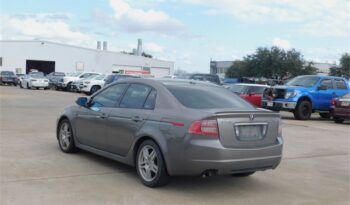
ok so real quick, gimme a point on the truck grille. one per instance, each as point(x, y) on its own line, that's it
point(274, 93)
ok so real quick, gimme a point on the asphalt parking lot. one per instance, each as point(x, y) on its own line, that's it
point(315, 168)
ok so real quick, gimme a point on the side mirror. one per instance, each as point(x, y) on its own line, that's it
point(322, 87)
point(82, 101)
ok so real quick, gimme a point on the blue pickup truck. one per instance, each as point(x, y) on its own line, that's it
point(306, 94)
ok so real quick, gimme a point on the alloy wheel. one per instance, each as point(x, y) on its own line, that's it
point(148, 163)
point(65, 135)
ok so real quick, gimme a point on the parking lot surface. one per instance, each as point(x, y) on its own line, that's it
point(315, 168)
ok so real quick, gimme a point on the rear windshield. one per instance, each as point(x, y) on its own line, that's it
point(59, 74)
point(207, 97)
point(8, 73)
point(256, 89)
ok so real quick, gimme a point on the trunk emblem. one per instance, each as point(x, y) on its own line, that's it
point(251, 117)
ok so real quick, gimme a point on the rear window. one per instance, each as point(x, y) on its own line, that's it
point(8, 73)
point(207, 97)
point(238, 88)
point(256, 89)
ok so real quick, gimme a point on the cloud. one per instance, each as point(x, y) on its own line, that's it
point(314, 17)
point(52, 27)
point(285, 44)
point(136, 20)
point(153, 48)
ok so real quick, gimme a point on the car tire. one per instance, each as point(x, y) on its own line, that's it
point(244, 174)
point(20, 85)
point(28, 86)
point(94, 89)
point(338, 120)
point(325, 115)
point(303, 110)
point(65, 137)
point(149, 159)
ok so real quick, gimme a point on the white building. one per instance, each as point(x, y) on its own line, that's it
point(22, 56)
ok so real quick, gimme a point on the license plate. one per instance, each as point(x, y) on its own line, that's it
point(249, 132)
point(345, 104)
point(269, 104)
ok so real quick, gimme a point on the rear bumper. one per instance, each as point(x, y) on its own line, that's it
point(204, 155)
point(278, 105)
point(343, 113)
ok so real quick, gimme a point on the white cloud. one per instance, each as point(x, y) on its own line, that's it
point(42, 26)
point(285, 44)
point(314, 17)
point(153, 48)
point(137, 20)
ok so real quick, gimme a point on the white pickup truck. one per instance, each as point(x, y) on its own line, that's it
point(69, 78)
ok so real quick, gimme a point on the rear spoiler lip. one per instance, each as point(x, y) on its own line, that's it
point(258, 112)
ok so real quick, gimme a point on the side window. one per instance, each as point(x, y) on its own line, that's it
point(135, 96)
point(109, 97)
point(85, 75)
point(340, 84)
point(151, 100)
point(327, 83)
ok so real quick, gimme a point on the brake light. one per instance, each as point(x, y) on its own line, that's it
point(207, 128)
point(334, 102)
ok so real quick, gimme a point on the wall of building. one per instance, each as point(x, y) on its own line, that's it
point(72, 58)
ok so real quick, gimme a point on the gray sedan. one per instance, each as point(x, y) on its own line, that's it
point(173, 127)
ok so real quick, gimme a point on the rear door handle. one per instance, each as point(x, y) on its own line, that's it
point(136, 119)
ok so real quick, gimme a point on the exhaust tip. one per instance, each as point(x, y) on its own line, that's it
point(209, 173)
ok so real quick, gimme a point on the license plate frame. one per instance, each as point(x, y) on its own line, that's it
point(344, 104)
point(250, 131)
point(269, 104)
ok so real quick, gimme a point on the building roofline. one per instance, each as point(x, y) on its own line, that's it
point(80, 47)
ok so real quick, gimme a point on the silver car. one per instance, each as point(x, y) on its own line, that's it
point(171, 127)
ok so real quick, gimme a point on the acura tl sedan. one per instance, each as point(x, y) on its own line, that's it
point(171, 127)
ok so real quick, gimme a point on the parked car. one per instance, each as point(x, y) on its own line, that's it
point(8, 77)
point(202, 77)
point(341, 108)
point(91, 85)
point(54, 78)
point(66, 82)
point(19, 76)
point(306, 94)
point(115, 77)
point(173, 127)
point(34, 81)
point(251, 92)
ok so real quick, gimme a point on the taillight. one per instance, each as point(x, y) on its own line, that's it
point(207, 128)
point(334, 102)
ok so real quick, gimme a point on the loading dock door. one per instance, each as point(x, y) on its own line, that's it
point(42, 66)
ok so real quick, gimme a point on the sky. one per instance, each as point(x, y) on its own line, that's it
point(188, 32)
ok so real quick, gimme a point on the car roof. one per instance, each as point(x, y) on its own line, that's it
point(166, 81)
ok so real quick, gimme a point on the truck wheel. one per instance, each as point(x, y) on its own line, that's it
point(325, 115)
point(68, 88)
point(303, 110)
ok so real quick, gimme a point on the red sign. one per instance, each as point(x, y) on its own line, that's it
point(144, 72)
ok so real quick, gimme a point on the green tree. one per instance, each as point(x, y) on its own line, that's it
point(273, 63)
point(344, 67)
point(236, 70)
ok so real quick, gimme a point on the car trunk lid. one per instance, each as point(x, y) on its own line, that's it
point(247, 129)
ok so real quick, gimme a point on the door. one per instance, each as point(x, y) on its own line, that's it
point(126, 121)
point(91, 122)
point(325, 95)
